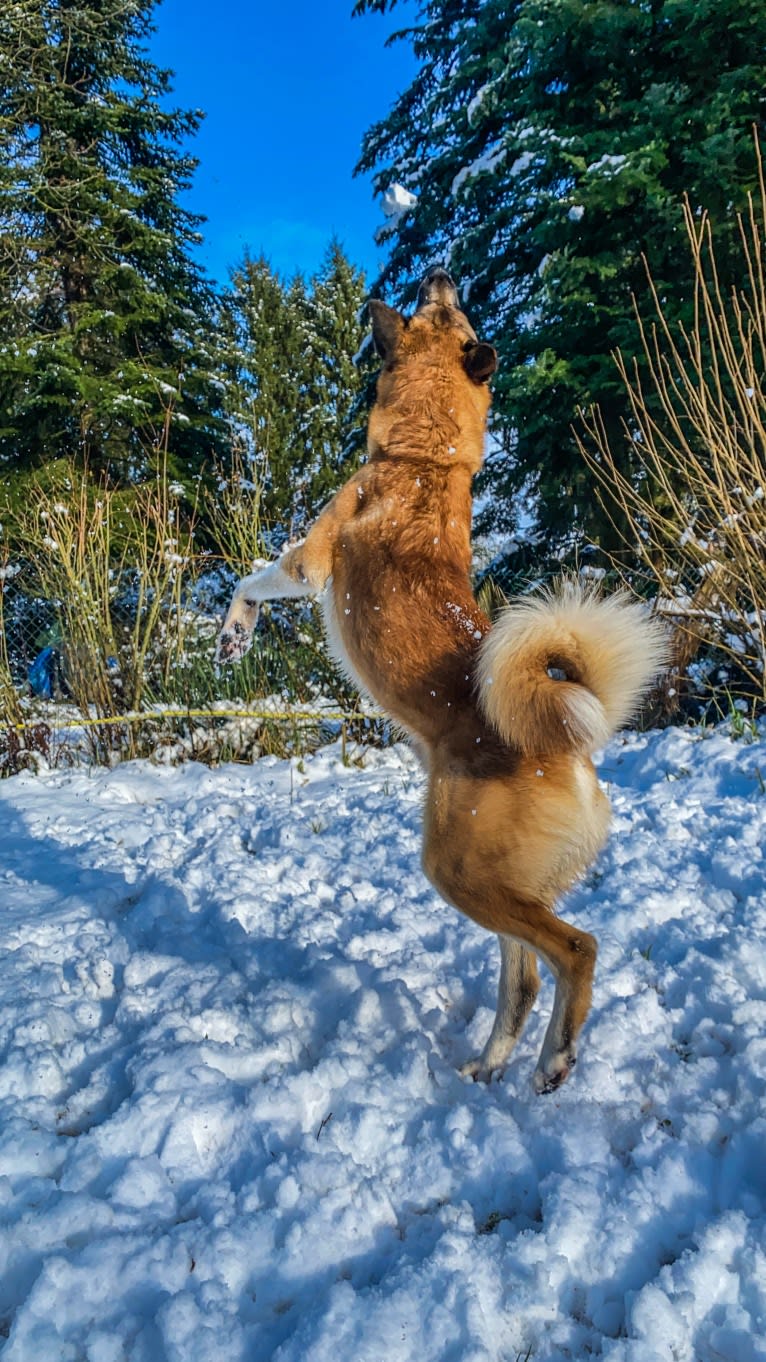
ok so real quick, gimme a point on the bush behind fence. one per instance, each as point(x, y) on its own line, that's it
point(71, 694)
point(108, 620)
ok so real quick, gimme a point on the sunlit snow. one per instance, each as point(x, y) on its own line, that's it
point(231, 1015)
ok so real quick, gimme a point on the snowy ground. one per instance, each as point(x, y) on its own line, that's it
point(231, 1012)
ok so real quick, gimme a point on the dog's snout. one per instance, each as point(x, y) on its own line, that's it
point(437, 287)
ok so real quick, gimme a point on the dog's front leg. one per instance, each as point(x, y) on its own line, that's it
point(282, 579)
point(303, 570)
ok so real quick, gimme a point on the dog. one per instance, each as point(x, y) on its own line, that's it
point(504, 716)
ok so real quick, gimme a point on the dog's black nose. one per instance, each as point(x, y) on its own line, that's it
point(437, 287)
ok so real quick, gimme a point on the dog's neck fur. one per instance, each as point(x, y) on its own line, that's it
point(420, 423)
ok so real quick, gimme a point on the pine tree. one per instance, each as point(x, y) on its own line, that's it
point(102, 310)
point(293, 382)
point(262, 343)
point(337, 371)
point(550, 143)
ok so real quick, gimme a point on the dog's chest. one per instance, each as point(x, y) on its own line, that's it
point(336, 629)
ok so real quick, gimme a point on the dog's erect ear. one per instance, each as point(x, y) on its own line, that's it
point(480, 362)
point(387, 327)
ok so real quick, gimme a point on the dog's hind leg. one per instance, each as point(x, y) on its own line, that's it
point(571, 956)
point(503, 860)
point(516, 992)
point(569, 953)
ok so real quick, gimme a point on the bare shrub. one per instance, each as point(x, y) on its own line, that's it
point(132, 612)
point(112, 568)
point(696, 511)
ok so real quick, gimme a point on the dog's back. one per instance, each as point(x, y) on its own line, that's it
point(400, 612)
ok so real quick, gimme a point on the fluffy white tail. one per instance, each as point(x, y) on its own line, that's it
point(565, 669)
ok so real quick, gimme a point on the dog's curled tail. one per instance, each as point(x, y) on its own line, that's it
point(563, 670)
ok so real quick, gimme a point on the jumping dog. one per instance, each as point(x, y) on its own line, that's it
point(504, 716)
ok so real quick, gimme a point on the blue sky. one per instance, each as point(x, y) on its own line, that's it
point(288, 92)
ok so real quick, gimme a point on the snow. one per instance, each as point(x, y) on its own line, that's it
point(231, 1016)
point(474, 104)
point(397, 201)
point(521, 163)
point(607, 165)
point(487, 164)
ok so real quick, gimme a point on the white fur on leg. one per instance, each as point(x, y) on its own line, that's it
point(269, 583)
point(559, 1053)
point(515, 995)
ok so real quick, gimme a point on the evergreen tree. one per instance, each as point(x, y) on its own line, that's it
point(101, 306)
point(550, 143)
point(338, 369)
point(262, 342)
point(293, 382)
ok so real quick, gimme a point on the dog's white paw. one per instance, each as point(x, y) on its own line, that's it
point(486, 1066)
point(555, 1073)
point(233, 642)
point(478, 1071)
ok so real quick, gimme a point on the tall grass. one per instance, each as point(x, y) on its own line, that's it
point(113, 570)
point(233, 514)
point(137, 611)
point(290, 656)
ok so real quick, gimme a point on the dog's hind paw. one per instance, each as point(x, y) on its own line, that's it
point(233, 643)
point(548, 1080)
point(480, 1071)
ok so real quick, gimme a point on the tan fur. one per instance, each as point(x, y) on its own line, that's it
point(513, 810)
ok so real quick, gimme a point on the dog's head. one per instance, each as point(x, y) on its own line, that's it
point(432, 361)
